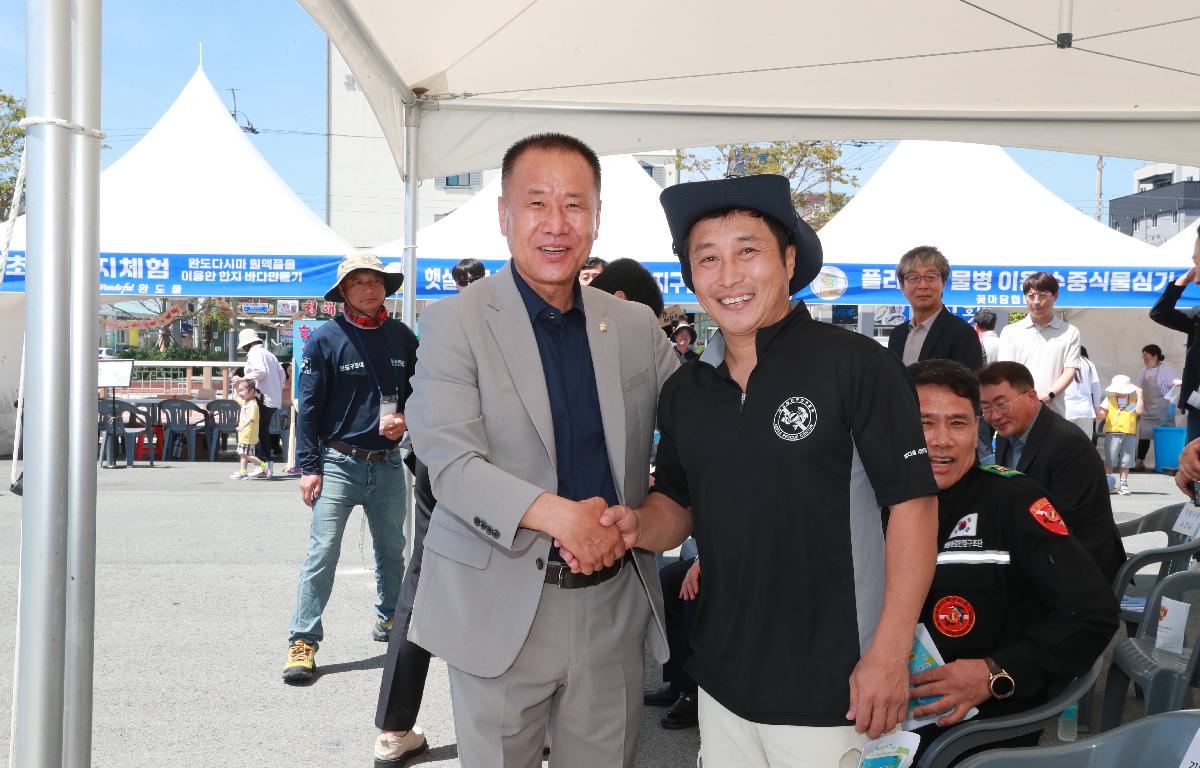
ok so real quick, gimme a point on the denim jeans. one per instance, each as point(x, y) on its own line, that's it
point(378, 486)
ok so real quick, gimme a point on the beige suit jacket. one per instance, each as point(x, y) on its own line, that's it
point(480, 421)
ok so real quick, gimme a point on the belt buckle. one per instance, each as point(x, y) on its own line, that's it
point(562, 572)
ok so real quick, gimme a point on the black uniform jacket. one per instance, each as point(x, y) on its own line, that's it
point(1185, 321)
point(949, 338)
point(1012, 584)
point(1061, 459)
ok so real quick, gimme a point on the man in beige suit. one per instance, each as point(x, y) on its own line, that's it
point(533, 407)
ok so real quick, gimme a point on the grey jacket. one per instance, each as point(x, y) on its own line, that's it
point(480, 420)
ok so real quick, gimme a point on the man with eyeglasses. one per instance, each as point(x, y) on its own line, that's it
point(933, 333)
point(1043, 343)
point(1056, 455)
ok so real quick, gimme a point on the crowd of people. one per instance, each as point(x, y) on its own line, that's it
point(833, 489)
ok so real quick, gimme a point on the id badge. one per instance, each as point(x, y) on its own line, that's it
point(388, 405)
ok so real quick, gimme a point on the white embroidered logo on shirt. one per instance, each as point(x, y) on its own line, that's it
point(795, 419)
point(966, 526)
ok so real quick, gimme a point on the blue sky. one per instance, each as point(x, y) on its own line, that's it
point(274, 54)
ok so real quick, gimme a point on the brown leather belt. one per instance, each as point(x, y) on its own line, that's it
point(560, 574)
point(358, 453)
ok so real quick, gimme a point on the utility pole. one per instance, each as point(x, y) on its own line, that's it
point(1099, 183)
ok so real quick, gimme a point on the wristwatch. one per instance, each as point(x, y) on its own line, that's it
point(1052, 395)
point(1000, 683)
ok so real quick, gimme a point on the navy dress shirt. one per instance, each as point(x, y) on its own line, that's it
point(579, 447)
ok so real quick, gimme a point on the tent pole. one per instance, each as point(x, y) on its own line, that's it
point(37, 737)
point(79, 647)
point(412, 124)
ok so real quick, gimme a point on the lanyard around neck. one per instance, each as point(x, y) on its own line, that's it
point(371, 366)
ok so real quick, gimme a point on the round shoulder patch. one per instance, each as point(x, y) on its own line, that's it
point(795, 419)
point(1047, 516)
point(953, 616)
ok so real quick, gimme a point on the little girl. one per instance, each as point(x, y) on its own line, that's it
point(1120, 411)
point(247, 428)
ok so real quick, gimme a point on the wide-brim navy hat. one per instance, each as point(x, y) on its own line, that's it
point(769, 194)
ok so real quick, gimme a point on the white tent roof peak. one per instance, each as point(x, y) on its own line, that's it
point(195, 184)
point(978, 206)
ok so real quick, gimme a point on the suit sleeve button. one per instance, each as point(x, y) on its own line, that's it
point(478, 522)
point(540, 563)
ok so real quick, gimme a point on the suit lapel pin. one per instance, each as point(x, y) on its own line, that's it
point(603, 327)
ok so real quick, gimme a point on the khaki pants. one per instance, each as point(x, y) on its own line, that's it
point(579, 675)
point(728, 741)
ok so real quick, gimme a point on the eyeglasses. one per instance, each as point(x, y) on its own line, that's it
point(1043, 295)
point(999, 406)
point(927, 279)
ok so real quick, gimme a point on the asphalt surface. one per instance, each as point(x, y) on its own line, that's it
point(196, 579)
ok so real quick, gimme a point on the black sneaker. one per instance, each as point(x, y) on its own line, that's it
point(682, 714)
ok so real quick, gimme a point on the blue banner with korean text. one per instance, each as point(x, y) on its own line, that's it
point(1000, 287)
point(875, 284)
point(188, 275)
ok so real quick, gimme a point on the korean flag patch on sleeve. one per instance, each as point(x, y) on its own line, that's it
point(966, 526)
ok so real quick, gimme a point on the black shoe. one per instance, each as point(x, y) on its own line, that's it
point(682, 714)
point(662, 696)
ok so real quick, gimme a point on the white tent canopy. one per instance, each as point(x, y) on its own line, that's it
point(992, 221)
point(976, 205)
point(1179, 249)
point(195, 184)
point(632, 223)
point(987, 71)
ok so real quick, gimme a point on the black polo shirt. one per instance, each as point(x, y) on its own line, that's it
point(785, 483)
point(581, 453)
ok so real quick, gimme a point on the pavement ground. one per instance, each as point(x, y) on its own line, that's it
point(196, 578)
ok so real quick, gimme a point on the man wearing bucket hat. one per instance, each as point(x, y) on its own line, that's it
point(800, 644)
point(264, 370)
point(354, 382)
point(683, 337)
point(1120, 411)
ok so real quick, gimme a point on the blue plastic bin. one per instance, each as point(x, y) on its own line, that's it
point(1168, 444)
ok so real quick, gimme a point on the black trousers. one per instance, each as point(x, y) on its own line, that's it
point(403, 683)
point(265, 414)
point(680, 615)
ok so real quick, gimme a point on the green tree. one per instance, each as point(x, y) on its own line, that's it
point(12, 142)
point(812, 167)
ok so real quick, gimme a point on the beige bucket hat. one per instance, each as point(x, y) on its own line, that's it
point(364, 260)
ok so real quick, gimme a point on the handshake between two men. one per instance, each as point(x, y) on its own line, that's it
point(590, 534)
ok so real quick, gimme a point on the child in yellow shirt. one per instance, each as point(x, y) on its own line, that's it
point(247, 428)
point(1120, 411)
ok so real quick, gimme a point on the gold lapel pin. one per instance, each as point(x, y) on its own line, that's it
point(603, 327)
